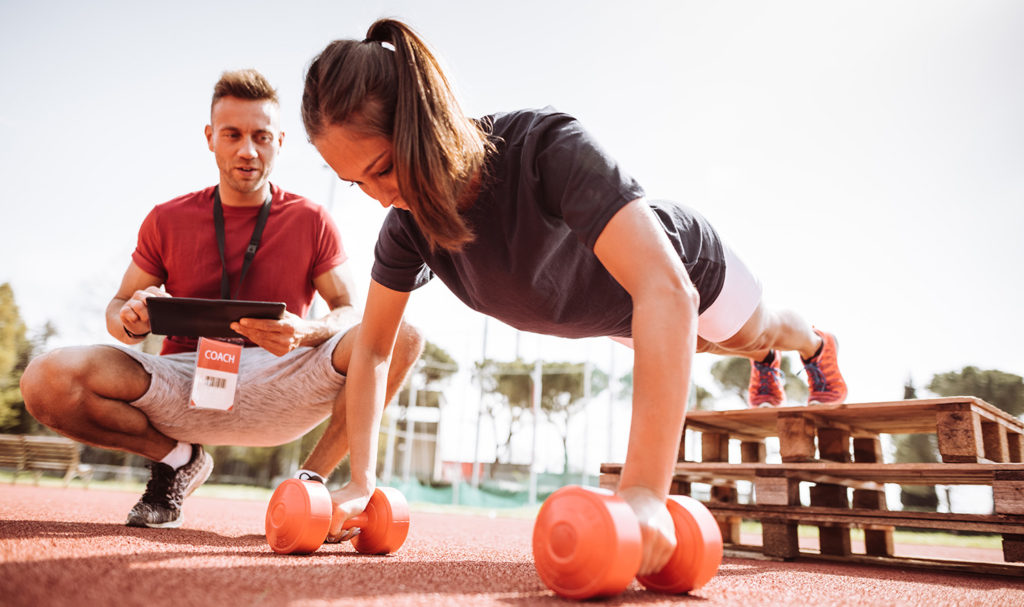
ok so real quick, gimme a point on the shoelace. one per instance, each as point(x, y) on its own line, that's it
point(767, 377)
point(160, 489)
point(817, 377)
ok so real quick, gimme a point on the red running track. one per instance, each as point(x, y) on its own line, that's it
point(69, 547)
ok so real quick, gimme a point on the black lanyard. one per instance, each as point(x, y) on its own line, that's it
point(250, 251)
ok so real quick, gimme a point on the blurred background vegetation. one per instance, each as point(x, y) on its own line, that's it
point(507, 391)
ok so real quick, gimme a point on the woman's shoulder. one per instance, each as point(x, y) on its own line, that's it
point(520, 123)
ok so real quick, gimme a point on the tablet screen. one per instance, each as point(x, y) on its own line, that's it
point(191, 317)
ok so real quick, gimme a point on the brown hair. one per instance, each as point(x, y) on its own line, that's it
point(243, 84)
point(390, 85)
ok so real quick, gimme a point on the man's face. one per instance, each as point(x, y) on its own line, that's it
point(245, 137)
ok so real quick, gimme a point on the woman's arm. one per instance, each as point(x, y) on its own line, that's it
point(636, 251)
point(364, 397)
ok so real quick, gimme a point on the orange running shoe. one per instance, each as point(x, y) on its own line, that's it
point(766, 383)
point(826, 383)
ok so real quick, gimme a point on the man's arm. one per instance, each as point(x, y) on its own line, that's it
point(128, 309)
point(280, 337)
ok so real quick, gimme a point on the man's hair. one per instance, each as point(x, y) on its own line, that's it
point(244, 84)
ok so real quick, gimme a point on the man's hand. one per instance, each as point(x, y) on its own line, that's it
point(657, 531)
point(134, 314)
point(278, 337)
point(349, 501)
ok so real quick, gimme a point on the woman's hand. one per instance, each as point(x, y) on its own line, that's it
point(657, 530)
point(348, 501)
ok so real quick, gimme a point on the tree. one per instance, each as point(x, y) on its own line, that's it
point(562, 392)
point(511, 383)
point(16, 350)
point(508, 384)
point(435, 366)
point(703, 399)
point(1003, 390)
point(732, 374)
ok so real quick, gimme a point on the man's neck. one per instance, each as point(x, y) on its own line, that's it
point(233, 198)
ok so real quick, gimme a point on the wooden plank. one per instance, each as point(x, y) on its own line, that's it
point(960, 437)
point(867, 450)
point(714, 447)
point(904, 474)
point(676, 488)
point(796, 438)
point(930, 565)
point(834, 445)
point(1015, 446)
point(877, 541)
point(780, 540)
point(777, 491)
point(1013, 548)
point(895, 417)
point(753, 452)
point(993, 437)
point(1008, 492)
point(833, 538)
point(873, 519)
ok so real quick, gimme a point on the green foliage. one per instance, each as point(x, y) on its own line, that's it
point(12, 331)
point(796, 388)
point(512, 384)
point(626, 386)
point(703, 400)
point(1004, 390)
point(434, 367)
point(437, 364)
point(732, 374)
point(16, 350)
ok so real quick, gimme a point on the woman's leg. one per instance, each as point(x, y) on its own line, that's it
point(738, 323)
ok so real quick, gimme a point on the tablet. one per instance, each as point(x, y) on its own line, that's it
point(191, 317)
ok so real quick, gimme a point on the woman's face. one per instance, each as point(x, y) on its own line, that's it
point(363, 160)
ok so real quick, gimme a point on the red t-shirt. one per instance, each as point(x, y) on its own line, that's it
point(178, 244)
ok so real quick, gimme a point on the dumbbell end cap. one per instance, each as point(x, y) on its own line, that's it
point(298, 517)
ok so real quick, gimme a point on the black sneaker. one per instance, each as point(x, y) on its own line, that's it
point(160, 506)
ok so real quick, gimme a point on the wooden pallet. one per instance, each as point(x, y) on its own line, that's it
point(836, 449)
point(968, 429)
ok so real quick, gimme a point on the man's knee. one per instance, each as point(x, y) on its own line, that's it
point(50, 383)
point(408, 346)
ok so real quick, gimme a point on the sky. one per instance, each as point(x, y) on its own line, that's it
point(864, 158)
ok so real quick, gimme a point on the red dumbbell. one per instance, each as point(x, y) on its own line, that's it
point(300, 511)
point(586, 543)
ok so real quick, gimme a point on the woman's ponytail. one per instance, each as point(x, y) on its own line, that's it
point(391, 85)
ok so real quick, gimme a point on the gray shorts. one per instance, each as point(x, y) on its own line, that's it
point(278, 399)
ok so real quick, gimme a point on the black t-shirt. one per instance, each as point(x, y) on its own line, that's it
point(549, 193)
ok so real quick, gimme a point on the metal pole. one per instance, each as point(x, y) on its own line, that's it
point(389, 453)
point(611, 397)
point(537, 375)
point(410, 430)
point(587, 370)
point(475, 477)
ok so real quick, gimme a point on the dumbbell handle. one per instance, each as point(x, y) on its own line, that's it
point(359, 520)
